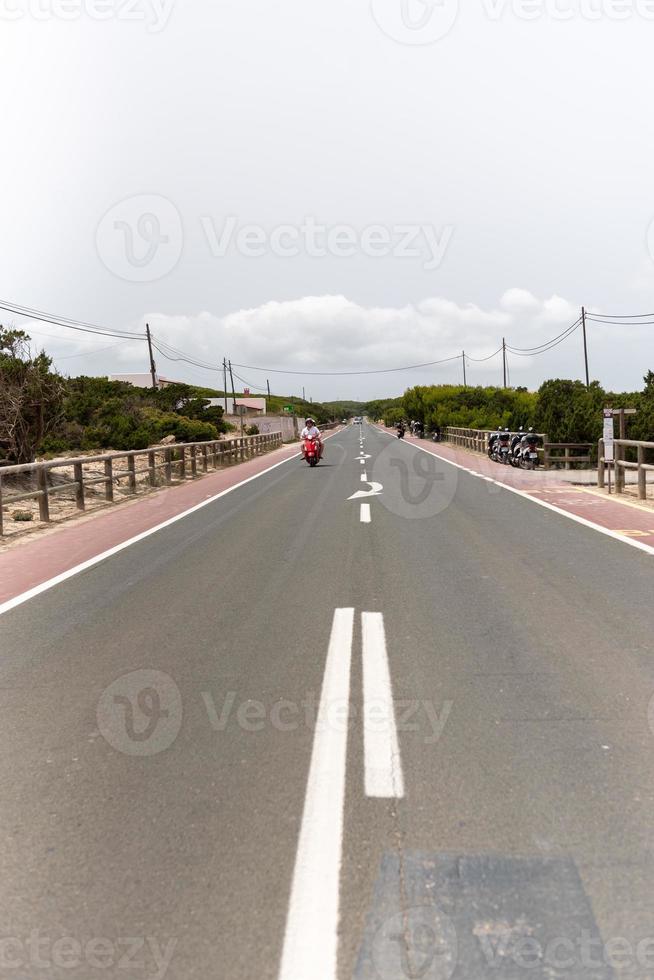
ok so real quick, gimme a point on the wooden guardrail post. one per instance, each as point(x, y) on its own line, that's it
point(108, 480)
point(194, 462)
point(601, 465)
point(131, 473)
point(44, 503)
point(152, 470)
point(168, 467)
point(205, 459)
point(619, 470)
point(182, 462)
point(642, 474)
point(79, 486)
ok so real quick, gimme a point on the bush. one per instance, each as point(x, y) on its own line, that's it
point(252, 430)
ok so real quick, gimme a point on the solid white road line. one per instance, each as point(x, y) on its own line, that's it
point(383, 766)
point(365, 515)
point(541, 503)
point(311, 939)
point(364, 477)
point(96, 559)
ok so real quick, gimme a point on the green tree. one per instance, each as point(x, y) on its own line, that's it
point(31, 396)
point(568, 411)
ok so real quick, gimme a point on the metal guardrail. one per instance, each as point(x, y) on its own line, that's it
point(182, 459)
point(622, 464)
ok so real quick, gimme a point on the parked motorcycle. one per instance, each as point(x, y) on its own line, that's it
point(400, 432)
point(311, 451)
point(525, 454)
point(503, 447)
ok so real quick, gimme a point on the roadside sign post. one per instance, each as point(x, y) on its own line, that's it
point(609, 448)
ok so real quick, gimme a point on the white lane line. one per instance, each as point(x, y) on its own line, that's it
point(365, 514)
point(96, 559)
point(363, 462)
point(541, 503)
point(364, 477)
point(311, 938)
point(383, 766)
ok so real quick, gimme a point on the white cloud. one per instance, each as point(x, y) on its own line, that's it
point(334, 334)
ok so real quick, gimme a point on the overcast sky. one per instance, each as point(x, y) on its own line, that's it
point(331, 187)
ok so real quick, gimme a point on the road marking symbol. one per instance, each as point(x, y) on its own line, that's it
point(375, 490)
point(365, 515)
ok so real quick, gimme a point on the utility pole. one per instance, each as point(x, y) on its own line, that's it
point(303, 395)
point(504, 358)
point(225, 383)
point(234, 396)
point(153, 369)
point(268, 387)
point(463, 358)
point(583, 325)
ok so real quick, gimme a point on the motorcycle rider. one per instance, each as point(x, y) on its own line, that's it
point(311, 431)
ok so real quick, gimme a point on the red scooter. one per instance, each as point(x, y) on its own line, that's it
point(311, 450)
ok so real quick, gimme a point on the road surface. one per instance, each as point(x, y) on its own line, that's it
point(380, 719)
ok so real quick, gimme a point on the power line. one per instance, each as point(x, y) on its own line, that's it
point(98, 350)
point(341, 374)
point(546, 344)
point(66, 322)
point(534, 352)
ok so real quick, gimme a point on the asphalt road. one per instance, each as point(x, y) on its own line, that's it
point(276, 740)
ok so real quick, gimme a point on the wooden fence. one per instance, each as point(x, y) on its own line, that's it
point(622, 464)
point(553, 454)
point(163, 464)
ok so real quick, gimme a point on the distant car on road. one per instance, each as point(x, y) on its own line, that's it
point(358, 420)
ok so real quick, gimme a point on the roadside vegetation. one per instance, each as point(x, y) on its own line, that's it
point(566, 410)
point(43, 413)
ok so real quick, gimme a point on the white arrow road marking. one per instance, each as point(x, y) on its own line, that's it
point(375, 489)
point(311, 939)
point(383, 766)
point(364, 456)
point(365, 515)
point(364, 477)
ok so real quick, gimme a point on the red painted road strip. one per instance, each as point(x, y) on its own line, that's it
point(624, 518)
point(29, 563)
